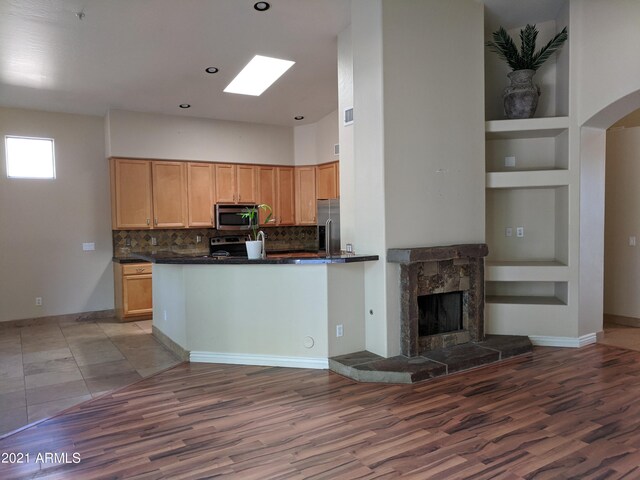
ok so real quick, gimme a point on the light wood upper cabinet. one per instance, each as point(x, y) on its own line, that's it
point(169, 194)
point(236, 183)
point(305, 178)
point(327, 181)
point(285, 181)
point(201, 194)
point(131, 199)
point(225, 183)
point(267, 192)
point(276, 188)
point(246, 187)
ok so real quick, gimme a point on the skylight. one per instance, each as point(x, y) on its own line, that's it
point(258, 75)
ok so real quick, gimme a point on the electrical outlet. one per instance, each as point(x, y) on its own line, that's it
point(339, 330)
point(165, 315)
point(198, 238)
point(508, 232)
point(38, 301)
point(154, 241)
point(510, 161)
point(520, 232)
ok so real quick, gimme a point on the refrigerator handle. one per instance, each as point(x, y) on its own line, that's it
point(327, 237)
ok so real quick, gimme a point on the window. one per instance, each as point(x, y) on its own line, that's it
point(30, 157)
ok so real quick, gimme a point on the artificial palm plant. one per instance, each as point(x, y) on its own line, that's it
point(527, 58)
point(251, 213)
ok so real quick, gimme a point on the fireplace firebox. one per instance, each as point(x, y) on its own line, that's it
point(442, 296)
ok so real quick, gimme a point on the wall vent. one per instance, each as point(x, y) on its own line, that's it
point(348, 116)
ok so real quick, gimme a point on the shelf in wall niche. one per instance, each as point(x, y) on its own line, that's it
point(528, 179)
point(526, 127)
point(523, 300)
point(529, 271)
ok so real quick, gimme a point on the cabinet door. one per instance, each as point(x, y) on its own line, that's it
point(169, 195)
point(267, 192)
point(225, 178)
point(305, 195)
point(286, 196)
point(131, 190)
point(246, 175)
point(136, 293)
point(327, 180)
point(200, 187)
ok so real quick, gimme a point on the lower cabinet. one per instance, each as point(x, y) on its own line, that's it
point(133, 300)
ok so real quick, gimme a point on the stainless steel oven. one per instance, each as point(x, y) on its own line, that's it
point(228, 216)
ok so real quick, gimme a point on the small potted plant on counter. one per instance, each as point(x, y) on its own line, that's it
point(255, 247)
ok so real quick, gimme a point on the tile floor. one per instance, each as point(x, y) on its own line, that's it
point(620, 335)
point(47, 368)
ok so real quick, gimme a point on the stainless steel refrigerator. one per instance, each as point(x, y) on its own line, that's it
point(329, 226)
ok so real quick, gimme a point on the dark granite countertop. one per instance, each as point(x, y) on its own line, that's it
point(275, 258)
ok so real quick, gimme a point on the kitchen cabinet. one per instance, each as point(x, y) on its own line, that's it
point(327, 181)
point(201, 194)
point(276, 188)
point(131, 198)
point(267, 192)
point(133, 282)
point(235, 183)
point(169, 194)
point(305, 193)
point(285, 181)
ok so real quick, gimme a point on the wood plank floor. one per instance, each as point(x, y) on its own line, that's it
point(555, 414)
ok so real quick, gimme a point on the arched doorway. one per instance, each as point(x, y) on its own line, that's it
point(593, 157)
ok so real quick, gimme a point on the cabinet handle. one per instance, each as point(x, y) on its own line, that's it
point(148, 222)
point(239, 197)
point(139, 270)
point(155, 221)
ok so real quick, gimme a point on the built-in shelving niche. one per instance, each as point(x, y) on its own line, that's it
point(527, 293)
point(541, 211)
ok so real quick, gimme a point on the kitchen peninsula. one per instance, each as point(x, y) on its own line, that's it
point(285, 310)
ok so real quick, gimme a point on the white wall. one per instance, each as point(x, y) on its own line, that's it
point(368, 168)
point(313, 143)
point(622, 220)
point(145, 135)
point(418, 136)
point(43, 223)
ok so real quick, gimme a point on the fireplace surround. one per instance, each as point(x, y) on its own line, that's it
point(429, 271)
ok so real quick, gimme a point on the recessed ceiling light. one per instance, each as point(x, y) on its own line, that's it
point(298, 117)
point(185, 105)
point(262, 6)
point(258, 75)
point(212, 70)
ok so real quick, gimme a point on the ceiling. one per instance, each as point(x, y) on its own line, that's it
point(151, 55)
point(87, 56)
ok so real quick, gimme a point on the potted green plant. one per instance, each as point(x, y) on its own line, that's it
point(255, 247)
point(521, 97)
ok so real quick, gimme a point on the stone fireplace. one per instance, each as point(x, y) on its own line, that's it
point(442, 296)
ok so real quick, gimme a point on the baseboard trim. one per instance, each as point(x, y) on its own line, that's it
point(65, 318)
point(571, 342)
point(264, 360)
point(170, 344)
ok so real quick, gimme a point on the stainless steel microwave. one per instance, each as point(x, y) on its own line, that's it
point(228, 216)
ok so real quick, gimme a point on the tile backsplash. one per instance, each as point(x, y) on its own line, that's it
point(277, 238)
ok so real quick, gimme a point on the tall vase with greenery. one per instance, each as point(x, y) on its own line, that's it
point(255, 247)
point(521, 97)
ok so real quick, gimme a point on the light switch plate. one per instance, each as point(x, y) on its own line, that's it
point(508, 232)
point(89, 246)
point(632, 241)
point(510, 161)
point(519, 232)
